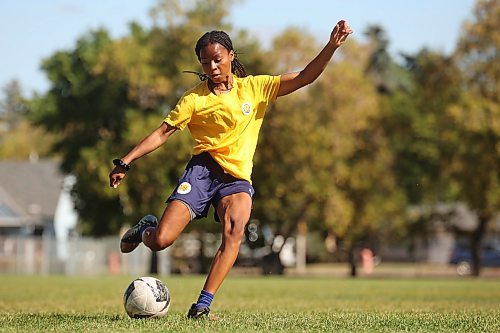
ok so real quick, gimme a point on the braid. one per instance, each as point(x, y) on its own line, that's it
point(237, 67)
point(203, 77)
point(217, 36)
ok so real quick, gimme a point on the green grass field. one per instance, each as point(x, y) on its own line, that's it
point(256, 304)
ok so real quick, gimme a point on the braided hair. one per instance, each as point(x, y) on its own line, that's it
point(217, 36)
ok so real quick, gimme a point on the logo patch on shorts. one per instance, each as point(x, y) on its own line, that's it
point(246, 108)
point(184, 188)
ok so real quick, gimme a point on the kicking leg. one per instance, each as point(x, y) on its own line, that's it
point(157, 236)
point(174, 219)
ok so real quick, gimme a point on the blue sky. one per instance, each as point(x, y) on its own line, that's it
point(33, 29)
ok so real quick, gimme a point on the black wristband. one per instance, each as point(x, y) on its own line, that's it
point(119, 162)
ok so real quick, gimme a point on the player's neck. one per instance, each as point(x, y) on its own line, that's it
point(223, 87)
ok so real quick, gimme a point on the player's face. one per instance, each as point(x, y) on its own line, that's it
point(216, 62)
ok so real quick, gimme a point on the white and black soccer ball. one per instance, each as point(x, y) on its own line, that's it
point(146, 297)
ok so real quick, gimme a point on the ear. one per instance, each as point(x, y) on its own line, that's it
point(231, 55)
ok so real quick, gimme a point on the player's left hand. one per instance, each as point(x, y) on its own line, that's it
point(340, 33)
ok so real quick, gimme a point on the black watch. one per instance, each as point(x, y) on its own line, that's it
point(119, 162)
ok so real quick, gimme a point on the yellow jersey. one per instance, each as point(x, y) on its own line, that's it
point(227, 126)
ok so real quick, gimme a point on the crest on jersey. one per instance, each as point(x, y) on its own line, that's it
point(246, 108)
point(184, 188)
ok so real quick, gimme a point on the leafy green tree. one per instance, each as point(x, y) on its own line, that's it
point(323, 159)
point(12, 106)
point(15, 123)
point(387, 75)
point(420, 128)
point(15, 144)
point(279, 202)
point(88, 110)
point(364, 168)
point(421, 136)
point(475, 163)
point(107, 94)
point(380, 62)
point(444, 130)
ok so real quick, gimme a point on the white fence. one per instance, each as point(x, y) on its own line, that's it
point(78, 256)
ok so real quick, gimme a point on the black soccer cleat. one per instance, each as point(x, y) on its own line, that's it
point(197, 313)
point(133, 237)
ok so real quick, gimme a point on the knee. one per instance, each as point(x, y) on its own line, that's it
point(235, 232)
point(161, 240)
point(163, 243)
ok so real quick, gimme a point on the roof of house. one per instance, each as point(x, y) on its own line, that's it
point(29, 192)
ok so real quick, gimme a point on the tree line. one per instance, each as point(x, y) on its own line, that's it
point(348, 156)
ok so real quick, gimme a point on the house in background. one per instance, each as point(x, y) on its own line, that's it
point(37, 223)
point(31, 195)
point(35, 207)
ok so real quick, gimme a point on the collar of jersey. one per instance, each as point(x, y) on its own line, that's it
point(235, 86)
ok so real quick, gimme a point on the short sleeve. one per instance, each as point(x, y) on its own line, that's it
point(180, 116)
point(268, 86)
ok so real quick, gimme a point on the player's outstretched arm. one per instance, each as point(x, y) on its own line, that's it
point(293, 81)
point(147, 145)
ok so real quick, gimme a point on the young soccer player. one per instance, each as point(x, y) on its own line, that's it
point(224, 114)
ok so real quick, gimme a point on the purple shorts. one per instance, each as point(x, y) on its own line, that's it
point(204, 182)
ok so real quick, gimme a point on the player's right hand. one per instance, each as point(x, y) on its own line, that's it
point(115, 177)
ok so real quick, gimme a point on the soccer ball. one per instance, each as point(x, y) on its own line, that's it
point(146, 297)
